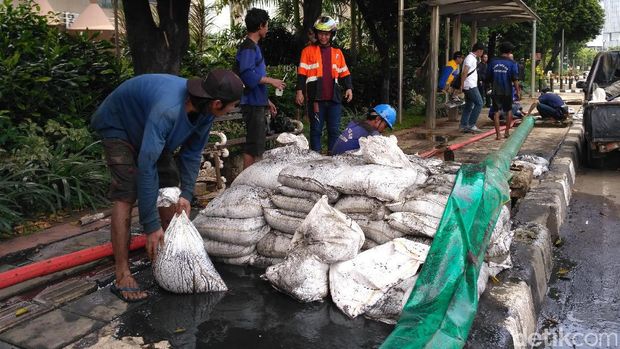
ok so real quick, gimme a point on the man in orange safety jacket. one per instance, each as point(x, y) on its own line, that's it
point(321, 77)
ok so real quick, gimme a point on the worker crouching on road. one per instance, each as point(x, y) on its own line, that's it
point(380, 117)
point(321, 76)
point(142, 123)
point(550, 106)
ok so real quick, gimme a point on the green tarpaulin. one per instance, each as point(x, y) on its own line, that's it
point(443, 304)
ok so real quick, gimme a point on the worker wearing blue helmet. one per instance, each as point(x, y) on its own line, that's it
point(379, 117)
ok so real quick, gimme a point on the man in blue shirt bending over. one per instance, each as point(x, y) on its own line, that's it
point(250, 65)
point(380, 117)
point(550, 106)
point(143, 123)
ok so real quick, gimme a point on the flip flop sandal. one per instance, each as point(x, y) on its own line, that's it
point(118, 292)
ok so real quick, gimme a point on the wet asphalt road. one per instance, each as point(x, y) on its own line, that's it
point(252, 314)
point(582, 308)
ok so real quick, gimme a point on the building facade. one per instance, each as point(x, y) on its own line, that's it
point(611, 31)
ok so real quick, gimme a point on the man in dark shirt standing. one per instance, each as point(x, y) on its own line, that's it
point(502, 74)
point(250, 65)
point(482, 77)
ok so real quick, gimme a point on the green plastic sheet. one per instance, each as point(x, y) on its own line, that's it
point(443, 304)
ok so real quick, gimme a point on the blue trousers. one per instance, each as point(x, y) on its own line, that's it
point(548, 112)
point(472, 108)
point(329, 113)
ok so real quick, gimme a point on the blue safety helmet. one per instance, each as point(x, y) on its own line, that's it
point(387, 113)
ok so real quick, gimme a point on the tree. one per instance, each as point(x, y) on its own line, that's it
point(157, 40)
point(582, 20)
point(200, 19)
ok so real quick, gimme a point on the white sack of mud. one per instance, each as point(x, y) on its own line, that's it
point(182, 264)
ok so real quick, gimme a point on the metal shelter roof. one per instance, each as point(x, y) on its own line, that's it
point(486, 12)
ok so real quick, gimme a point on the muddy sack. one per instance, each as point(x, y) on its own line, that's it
point(254, 259)
point(284, 221)
point(431, 203)
point(223, 249)
point(264, 173)
point(314, 176)
point(379, 231)
point(358, 284)
point(182, 265)
point(390, 306)
point(290, 152)
point(377, 181)
point(501, 237)
point(381, 150)
point(414, 223)
point(539, 165)
point(302, 275)
point(369, 207)
point(240, 201)
point(168, 196)
point(274, 245)
point(290, 203)
point(298, 193)
point(244, 232)
point(329, 234)
point(290, 139)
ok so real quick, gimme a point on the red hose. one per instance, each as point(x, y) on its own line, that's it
point(52, 265)
point(432, 152)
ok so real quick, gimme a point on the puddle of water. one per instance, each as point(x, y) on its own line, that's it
point(250, 314)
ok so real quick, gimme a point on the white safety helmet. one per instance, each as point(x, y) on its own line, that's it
point(326, 24)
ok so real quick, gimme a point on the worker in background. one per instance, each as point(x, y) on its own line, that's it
point(469, 86)
point(550, 106)
point(379, 118)
point(448, 75)
point(503, 77)
point(250, 66)
point(322, 76)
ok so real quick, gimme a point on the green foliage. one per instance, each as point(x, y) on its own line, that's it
point(55, 168)
point(219, 52)
point(581, 20)
point(279, 47)
point(47, 74)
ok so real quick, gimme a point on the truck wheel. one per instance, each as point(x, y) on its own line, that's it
point(593, 159)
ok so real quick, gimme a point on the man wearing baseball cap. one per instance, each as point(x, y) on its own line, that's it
point(142, 124)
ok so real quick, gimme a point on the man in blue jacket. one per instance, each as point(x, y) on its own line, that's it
point(380, 117)
point(251, 68)
point(143, 123)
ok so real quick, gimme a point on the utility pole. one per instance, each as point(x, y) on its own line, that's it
point(401, 48)
point(562, 62)
point(117, 48)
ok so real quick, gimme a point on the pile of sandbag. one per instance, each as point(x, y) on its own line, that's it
point(326, 236)
point(309, 215)
point(233, 223)
point(389, 194)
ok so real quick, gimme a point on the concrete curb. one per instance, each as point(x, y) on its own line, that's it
point(507, 313)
